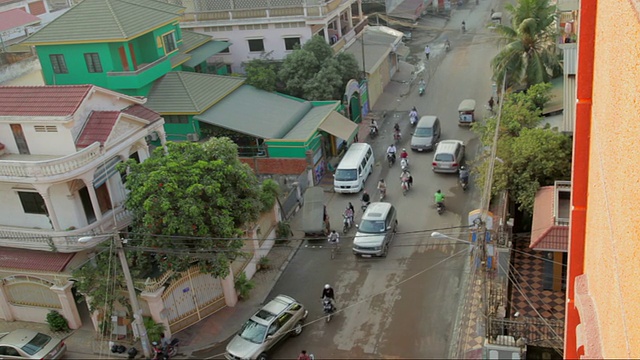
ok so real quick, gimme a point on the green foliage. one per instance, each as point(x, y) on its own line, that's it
point(261, 73)
point(263, 263)
point(268, 194)
point(283, 230)
point(200, 192)
point(154, 329)
point(530, 156)
point(56, 321)
point(314, 73)
point(529, 55)
point(101, 283)
point(243, 285)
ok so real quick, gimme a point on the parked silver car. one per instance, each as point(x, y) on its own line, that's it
point(29, 344)
point(278, 319)
point(448, 156)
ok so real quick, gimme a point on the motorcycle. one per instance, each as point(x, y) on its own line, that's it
point(364, 205)
point(328, 308)
point(440, 207)
point(421, 89)
point(464, 28)
point(447, 46)
point(383, 193)
point(391, 158)
point(397, 136)
point(373, 132)
point(404, 164)
point(405, 186)
point(464, 183)
point(413, 120)
point(346, 223)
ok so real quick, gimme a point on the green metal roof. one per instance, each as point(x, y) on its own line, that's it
point(181, 92)
point(191, 40)
point(106, 21)
point(310, 122)
point(257, 113)
point(205, 51)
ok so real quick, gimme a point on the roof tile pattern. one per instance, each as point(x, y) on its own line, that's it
point(106, 20)
point(545, 234)
point(142, 112)
point(98, 127)
point(15, 18)
point(34, 260)
point(42, 100)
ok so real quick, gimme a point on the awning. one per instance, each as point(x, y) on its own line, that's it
point(402, 50)
point(206, 51)
point(339, 126)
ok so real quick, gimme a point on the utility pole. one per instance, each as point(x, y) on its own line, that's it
point(133, 298)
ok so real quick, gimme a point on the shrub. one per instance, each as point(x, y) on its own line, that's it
point(243, 286)
point(56, 321)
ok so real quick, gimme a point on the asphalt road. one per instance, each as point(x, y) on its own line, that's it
point(405, 305)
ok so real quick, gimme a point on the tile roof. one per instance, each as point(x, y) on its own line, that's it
point(98, 127)
point(180, 92)
point(545, 234)
point(15, 18)
point(142, 112)
point(106, 20)
point(191, 40)
point(22, 259)
point(42, 100)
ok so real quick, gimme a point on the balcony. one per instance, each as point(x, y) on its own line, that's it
point(64, 241)
point(142, 76)
point(23, 167)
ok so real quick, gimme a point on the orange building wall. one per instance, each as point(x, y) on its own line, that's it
point(612, 241)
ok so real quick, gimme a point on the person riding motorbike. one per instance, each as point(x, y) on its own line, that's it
point(374, 126)
point(464, 26)
point(334, 237)
point(366, 200)
point(391, 150)
point(464, 175)
point(413, 115)
point(439, 197)
point(303, 355)
point(328, 293)
point(348, 213)
point(405, 176)
point(447, 44)
point(396, 132)
point(382, 187)
point(404, 155)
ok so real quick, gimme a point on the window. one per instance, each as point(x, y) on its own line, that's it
point(256, 45)
point(291, 43)
point(169, 41)
point(32, 203)
point(176, 119)
point(226, 50)
point(93, 62)
point(45, 128)
point(58, 64)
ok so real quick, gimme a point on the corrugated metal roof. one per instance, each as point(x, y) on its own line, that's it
point(557, 97)
point(570, 99)
point(257, 113)
point(42, 100)
point(15, 18)
point(310, 122)
point(205, 51)
point(570, 58)
point(98, 127)
point(180, 92)
point(106, 20)
point(22, 259)
point(191, 40)
point(377, 44)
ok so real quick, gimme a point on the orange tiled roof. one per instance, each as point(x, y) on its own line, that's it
point(98, 127)
point(22, 259)
point(42, 100)
point(545, 234)
point(16, 17)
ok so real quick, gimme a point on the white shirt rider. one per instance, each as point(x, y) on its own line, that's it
point(391, 149)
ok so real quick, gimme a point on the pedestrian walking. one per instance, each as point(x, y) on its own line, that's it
point(427, 51)
point(491, 104)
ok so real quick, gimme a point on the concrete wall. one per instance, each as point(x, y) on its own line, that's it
point(607, 297)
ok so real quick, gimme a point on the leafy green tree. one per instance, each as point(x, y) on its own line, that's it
point(348, 67)
point(298, 68)
point(101, 281)
point(261, 73)
point(529, 156)
point(529, 54)
point(326, 84)
point(319, 48)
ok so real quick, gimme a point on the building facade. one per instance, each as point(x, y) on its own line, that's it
point(256, 28)
point(603, 311)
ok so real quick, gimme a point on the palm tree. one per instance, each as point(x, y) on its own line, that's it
point(529, 56)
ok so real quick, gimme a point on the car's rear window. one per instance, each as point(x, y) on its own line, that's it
point(444, 157)
point(36, 344)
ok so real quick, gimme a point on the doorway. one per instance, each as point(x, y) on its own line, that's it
point(21, 141)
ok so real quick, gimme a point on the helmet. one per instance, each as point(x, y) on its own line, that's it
point(154, 343)
point(438, 191)
point(403, 149)
point(327, 286)
point(365, 192)
point(462, 167)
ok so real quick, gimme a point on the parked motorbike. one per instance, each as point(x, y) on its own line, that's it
point(391, 159)
point(440, 207)
point(404, 164)
point(328, 308)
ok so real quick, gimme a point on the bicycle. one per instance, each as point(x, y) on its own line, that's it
point(335, 247)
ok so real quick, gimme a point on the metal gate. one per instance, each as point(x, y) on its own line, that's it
point(192, 298)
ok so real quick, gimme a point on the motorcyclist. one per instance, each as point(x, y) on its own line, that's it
point(327, 293)
point(439, 197)
point(382, 186)
point(405, 176)
point(303, 355)
point(365, 198)
point(396, 131)
point(491, 102)
point(413, 114)
point(464, 26)
point(374, 125)
point(404, 155)
point(334, 237)
point(391, 150)
point(348, 213)
point(157, 351)
point(447, 44)
point(423, 85)
point(464, 174)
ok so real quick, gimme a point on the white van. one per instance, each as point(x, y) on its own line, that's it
point(354, 169)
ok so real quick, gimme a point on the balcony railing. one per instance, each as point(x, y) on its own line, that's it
point(142, 68)
point(44, 168)
point(64, 241)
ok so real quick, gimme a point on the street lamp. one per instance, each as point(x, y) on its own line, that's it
point(133, 298)
point(439, 235)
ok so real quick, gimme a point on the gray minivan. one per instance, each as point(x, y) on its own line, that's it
point(427, 134)
point(376, 230)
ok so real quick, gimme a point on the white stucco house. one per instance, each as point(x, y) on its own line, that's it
point(59, 146)
point(273, 27)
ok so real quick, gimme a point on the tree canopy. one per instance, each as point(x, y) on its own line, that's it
point(530, 156)
point(529, 53)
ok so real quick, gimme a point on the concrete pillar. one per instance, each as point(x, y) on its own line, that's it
point(69, 308)
point(157, 309)
point(5, 308)
point(229, 289)
point(88, 182)
point(43, 190)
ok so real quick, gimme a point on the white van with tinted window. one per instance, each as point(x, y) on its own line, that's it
point(354, 169)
